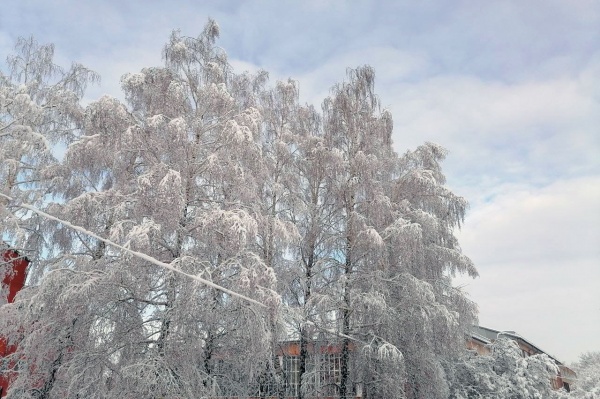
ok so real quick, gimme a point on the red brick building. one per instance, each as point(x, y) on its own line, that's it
point(481, 337)
point(13, 271)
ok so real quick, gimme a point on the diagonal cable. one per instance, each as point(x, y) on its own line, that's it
point(136, 253)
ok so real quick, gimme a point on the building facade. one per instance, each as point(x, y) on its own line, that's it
point(13, 271)
point(482, 337)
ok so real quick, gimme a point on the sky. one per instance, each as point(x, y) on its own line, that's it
point(510, 87)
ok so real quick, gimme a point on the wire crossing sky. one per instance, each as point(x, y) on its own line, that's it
point(155, 261)
point(137, 254)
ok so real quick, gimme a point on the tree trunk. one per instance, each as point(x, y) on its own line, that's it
point(345, 360)
point(346, 310)
point(304, 333)
point(346, 303)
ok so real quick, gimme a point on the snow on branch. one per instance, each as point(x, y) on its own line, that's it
point(135, 253)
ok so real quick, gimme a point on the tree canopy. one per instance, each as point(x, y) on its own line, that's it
point(220, 176)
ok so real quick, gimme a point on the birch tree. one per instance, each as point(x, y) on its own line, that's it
point(436, 316)
point(216, 175)
point(305, 215)
point(168, 176)
point(396, 251)
point(353, 133)
point(39, 109)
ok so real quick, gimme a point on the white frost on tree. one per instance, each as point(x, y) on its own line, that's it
point(503, 374)
point(217, 175)
point(587, 384)
point(168, 175)
point(39, 108)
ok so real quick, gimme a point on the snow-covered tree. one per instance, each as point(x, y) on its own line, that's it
point(423, 254)
point(360, 138)
point(170, 176)
point(39, 109)
point(213, 174)
point(395, 251)
point(302, 213)
point(587, 385)
point(503, 374)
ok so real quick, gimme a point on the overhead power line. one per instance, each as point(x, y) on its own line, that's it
point(154, 260)
point(135, 253)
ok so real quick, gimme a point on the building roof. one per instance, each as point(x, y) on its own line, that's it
point(490, 335)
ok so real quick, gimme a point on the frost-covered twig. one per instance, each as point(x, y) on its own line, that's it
point(135, 253)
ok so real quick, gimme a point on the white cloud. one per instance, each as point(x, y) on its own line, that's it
point(538, 254)
point(459, 105)
point(531, 132)
point(523, 223)
point(391, 65)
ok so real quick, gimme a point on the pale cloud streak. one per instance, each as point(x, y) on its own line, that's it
point(533, 131)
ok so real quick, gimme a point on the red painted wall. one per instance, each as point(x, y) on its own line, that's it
point(14, 279)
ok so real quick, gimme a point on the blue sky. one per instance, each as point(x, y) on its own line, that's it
point(510, 88)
